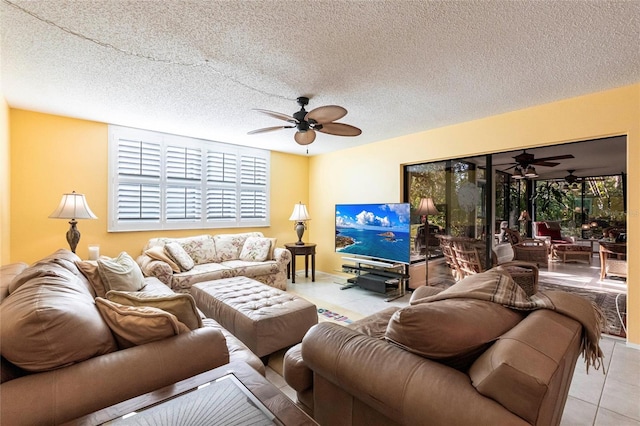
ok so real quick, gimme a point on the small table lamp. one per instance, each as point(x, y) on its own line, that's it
point(300, 215)
point(73, 206)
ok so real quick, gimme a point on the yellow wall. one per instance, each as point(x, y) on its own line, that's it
point(371, 173)
point(51, 155)
point(5, 171)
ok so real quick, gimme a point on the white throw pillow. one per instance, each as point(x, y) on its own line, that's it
point(256, 249)
point(121, 273)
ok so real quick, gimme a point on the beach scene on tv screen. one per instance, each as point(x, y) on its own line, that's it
point(379, 231)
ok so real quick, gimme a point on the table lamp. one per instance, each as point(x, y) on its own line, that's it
point(426, 208)
point(300, 215)
point(73, 206)
point(523, 219)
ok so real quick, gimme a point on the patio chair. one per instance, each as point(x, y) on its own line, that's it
point(613, 260)
point(469, 261)
point(527, 249)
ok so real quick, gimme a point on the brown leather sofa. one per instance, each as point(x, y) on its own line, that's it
point(353, 375)
point(95, 373)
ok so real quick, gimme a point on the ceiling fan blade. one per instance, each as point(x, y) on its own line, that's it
point(277, 115)
point(269, 129)
point(339, 129)
point(305, 138)
point(555, 157)
point(544, 163)
point(326, 114)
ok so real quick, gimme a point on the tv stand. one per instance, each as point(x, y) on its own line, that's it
point(379, 276)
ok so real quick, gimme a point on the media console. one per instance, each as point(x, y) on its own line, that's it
point(379, 276)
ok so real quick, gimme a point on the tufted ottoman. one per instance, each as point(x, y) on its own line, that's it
point(262, 317)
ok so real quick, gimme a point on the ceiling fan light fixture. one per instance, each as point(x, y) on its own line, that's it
point(517, 173)
point(531, 172)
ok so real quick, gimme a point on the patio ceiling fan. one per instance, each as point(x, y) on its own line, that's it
point(321, 119)
point(524, 164)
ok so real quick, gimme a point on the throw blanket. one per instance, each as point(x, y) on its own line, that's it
point(498, 287)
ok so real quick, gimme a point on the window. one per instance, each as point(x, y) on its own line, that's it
point(159, 181)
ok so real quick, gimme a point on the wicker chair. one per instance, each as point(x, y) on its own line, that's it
point(469, 261)
point(529, 249)
point(613, 260)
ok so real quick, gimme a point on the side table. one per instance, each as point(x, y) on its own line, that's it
point(306, 250)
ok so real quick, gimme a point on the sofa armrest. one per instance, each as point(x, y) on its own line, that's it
point(295, 371)
point(282, 256)
point(403, 386)
point(155, 268)
point(61, 395)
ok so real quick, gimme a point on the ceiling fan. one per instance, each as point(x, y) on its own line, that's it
point(525, 162)
point(321, 119)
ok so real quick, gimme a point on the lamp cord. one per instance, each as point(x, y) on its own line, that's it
point(620, 315)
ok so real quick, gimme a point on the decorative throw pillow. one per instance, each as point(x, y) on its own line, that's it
point(200, 248)
point(89, 269)
point(452, 331)
point(255, 249)
point(158, 253)
point(120, 273)
point(137, 325)
point(179, 256)
point(272, 249)
point(182, 305)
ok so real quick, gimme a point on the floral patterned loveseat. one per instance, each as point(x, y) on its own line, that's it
point(211, 257)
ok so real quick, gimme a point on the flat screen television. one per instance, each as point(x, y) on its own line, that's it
point(376, 231)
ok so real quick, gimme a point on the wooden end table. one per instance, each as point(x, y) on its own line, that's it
point(306, 250)
point(162, 401)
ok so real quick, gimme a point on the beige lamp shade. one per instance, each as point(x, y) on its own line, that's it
point(427, 207)
point(300, 213)
point(73, 206)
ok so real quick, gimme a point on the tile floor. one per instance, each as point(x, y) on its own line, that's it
point(594, 399)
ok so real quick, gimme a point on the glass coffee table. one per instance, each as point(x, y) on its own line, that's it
point(233, 394)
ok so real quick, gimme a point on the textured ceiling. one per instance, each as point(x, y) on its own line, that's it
point(197, 68)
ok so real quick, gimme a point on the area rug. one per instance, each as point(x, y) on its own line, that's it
point(327, 312)
point(606, 300)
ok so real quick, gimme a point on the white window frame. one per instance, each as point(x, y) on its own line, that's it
point(203, 185)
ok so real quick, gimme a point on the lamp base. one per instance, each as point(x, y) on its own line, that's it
point(73, 235)
point(300, 232)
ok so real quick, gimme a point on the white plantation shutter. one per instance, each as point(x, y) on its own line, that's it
point(221, 204)
point(221, 167)
point(160, 181)
point(139, 169)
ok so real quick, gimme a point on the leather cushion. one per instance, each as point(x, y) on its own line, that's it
point(137, 325)
point(179, 304)
point(453, 331)
point(7, 274)
point(51, 321)
point(518, 371)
